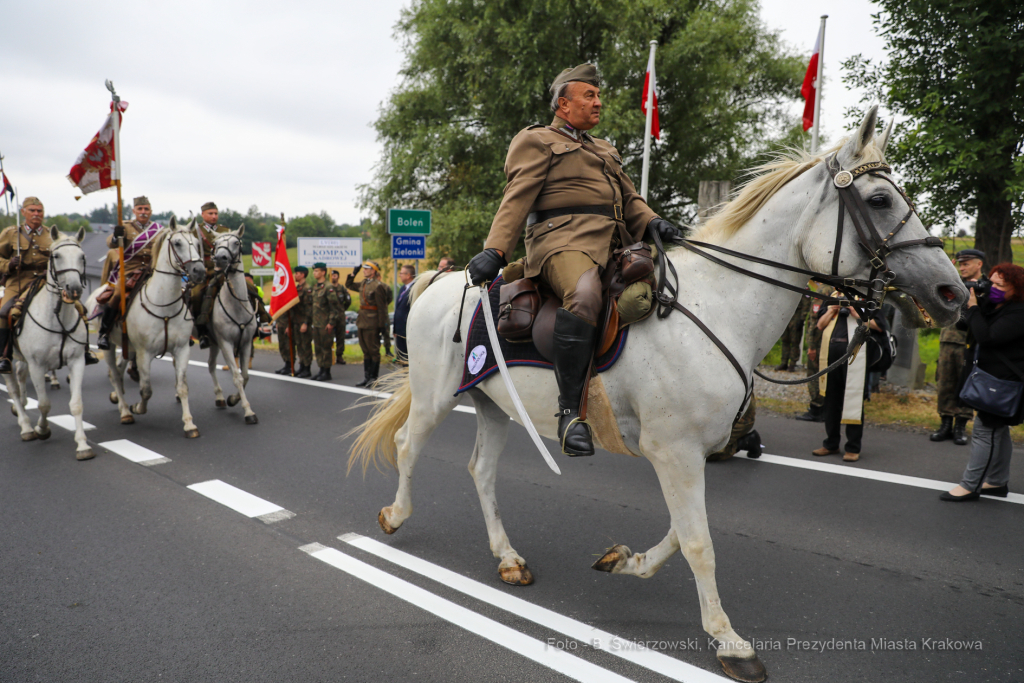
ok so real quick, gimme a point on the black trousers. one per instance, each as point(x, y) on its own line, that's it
point(834, 395)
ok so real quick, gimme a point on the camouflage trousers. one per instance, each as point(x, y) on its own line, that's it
point(817, 400)
point(323, 347)
point(303, 340)
point(947, 379)
point(791, 337)
point(339, 338)
point(740, 428)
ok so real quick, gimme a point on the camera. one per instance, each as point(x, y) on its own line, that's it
point(844, 308)
point(980, 287)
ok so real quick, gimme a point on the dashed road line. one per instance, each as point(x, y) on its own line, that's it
point(134, 452)
point(520, 643)
point(68, 422)
point(584, 633)
point(240, 501)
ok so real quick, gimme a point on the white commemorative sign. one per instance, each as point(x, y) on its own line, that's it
point(336, 252)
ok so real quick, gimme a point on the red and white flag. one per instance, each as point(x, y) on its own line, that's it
point(810, 87)
point(93, 168)
point(651, 83)
point(283, 294)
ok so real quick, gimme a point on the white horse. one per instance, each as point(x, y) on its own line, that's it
point(159, 321)
point(672, 395)
point(53, 336)
point(232, 322)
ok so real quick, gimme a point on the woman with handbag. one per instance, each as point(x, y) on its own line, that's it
point(995, 383)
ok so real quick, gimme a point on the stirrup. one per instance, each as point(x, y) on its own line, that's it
point(575, 420)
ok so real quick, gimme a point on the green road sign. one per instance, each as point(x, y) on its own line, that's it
point(408, 222)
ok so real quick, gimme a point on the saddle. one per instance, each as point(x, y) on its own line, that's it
point(526, 312)
point(18, 305)
point(131, 286)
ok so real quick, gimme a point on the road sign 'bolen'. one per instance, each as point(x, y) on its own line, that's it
point(408, 222)
point(409, 246)
point(260, 254)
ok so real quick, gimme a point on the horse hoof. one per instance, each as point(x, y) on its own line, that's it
point(516, 576)
point(191, 433)
point(746, 670)
point(612, 559)
point(55, 386)
point(251, 419)
point(127, 420)
point(384, 526)
point(234, 400)
point(221, 403)
point(29, 436)
point(43, 436)
point(113, 398)
point(85, 455)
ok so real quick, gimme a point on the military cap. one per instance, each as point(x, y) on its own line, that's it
point(372, 266)
point(30, 201)
point(301, 269)
point(320, 264)
point(585, 73)
point(968, 254)
point(207, 206)
point(140, 201)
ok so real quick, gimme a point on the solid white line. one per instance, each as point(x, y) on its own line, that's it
point(846, 470)
point(236, 499)
point(531, 648)
point(68, 422)
point(584, 633)
point(134, 452)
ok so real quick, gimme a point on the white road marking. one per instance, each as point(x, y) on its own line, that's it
point(584, 633)
point(531, 648)
point(846, 470)
point(30, 403)
point(68, 422)
point(241, 501)
point(134, 452)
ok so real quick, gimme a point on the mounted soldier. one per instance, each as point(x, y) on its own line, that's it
point(138, 260)
point(570, 192)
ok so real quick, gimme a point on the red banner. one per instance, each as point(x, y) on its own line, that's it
point(283, 295)
point(92, 169)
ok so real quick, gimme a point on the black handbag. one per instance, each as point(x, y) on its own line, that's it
point(989, 394)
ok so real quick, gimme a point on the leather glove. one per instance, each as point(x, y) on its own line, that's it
point(355, 271)
point(484, 266)
point(666, 231)
point(13, 264)
point(118, 232)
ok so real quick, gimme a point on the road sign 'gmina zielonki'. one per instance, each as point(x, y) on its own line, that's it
point(408, 222)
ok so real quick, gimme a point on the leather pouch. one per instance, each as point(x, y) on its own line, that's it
point(635, 262)
point(518, 304)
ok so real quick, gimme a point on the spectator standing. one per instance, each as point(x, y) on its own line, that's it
point(792, 336)
point(345, 300)
point(406, 274)
point(812, 340)
point(373, 319)
point(996, 322)
point(952, 352)
point(446, 263)
point(326, 315)
point(299, 330)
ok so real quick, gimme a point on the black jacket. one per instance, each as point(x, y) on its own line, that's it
point(998, 330)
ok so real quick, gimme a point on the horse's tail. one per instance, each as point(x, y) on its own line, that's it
point(376, 437)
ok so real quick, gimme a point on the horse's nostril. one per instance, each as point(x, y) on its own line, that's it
point(947, 292)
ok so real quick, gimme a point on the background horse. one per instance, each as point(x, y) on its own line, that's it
point(159, 321)
point(53, 335)
point(232, 322)
point(672, 393)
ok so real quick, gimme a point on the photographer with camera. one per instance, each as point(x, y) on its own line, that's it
point(995, 383)
point(843, 388)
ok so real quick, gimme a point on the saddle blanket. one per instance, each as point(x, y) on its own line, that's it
point(481, 364)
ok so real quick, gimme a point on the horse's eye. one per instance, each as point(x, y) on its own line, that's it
point(880, 201)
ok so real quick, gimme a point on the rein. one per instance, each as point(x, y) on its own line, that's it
point(55, 288)
point(233, 267)
point(180, 266)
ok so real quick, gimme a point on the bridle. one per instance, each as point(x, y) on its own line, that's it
point(180, 265)
point(234, 249)
point(54, 273)
point(180, 269)
point(64, 332)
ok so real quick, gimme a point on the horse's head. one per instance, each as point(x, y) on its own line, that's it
point(66, 270)
point(227, 249)
point(182, 248)
point(878, 218)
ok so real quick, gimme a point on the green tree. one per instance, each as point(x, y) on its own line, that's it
point(955, 70)
point(476, 73)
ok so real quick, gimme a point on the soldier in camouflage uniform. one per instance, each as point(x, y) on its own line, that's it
point(743, 437)
point(299, 331)
point(812, 342)
point(792, 336)
point(952, 352)
point(326, 315)
point(345, 299)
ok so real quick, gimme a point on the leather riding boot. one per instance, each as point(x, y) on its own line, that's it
point(367, 368)
point(5, 353)
point(960, 431)
point(574, 342)
point(375, 371)
point(751, 443)
point(945, 430)
point(106, 326)
point(303, 372)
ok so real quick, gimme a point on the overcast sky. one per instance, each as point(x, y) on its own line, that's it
point(253, 102)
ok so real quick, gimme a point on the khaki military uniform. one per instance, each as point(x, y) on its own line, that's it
point(812, 341)
point(952, 358)
point(326, 310)
point(555, 167)
point(141, 259)
point(300, 315)
point(373, 318)
point(794, 333)
point(35, 255)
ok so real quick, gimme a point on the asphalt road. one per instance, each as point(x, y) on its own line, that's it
point(118, 571)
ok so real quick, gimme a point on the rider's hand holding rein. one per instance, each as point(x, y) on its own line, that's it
point(15, 262)
point(484, 266)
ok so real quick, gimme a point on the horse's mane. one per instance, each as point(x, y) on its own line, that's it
point(765, 180)
point(158, 242)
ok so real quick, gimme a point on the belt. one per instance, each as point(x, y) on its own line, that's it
point(614, 211)
point(367, 308)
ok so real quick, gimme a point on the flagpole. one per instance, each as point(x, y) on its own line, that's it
point(817, 85)
point(291, 330)
point(116, 173)
point(7, 201)
point(647, 130)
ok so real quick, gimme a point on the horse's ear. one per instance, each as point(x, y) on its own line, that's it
point(80, 235)
point(883, 141)
point(173, 223)
point(865, 134)
point(54, 233)
point(241, 230)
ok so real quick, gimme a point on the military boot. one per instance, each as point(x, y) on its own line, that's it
point(945, 430)
point(367, 370)
point(303, 372)
point(5, 353)
point(324, 375)
point(286, 370)
point(751, 443)
point(814, 414)
point(106, 327)
point(960, 431)
point(574, 342)
point(374, 371)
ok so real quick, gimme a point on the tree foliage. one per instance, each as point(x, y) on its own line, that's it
point(956, 72)
point(476, 73)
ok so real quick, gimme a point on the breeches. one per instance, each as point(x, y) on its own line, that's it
point(576, 280)
point(369, 342)
point(8, 302)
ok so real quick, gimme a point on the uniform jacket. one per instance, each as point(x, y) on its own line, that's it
point(206, 238)
point(301, 312)
point(142, 258)
point(326, 306)
point(373, 304)
point(551, 169)
point(35, 255)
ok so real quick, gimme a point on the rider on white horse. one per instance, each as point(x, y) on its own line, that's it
point(578, 205)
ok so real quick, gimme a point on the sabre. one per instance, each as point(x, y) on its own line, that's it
point(492, 334)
